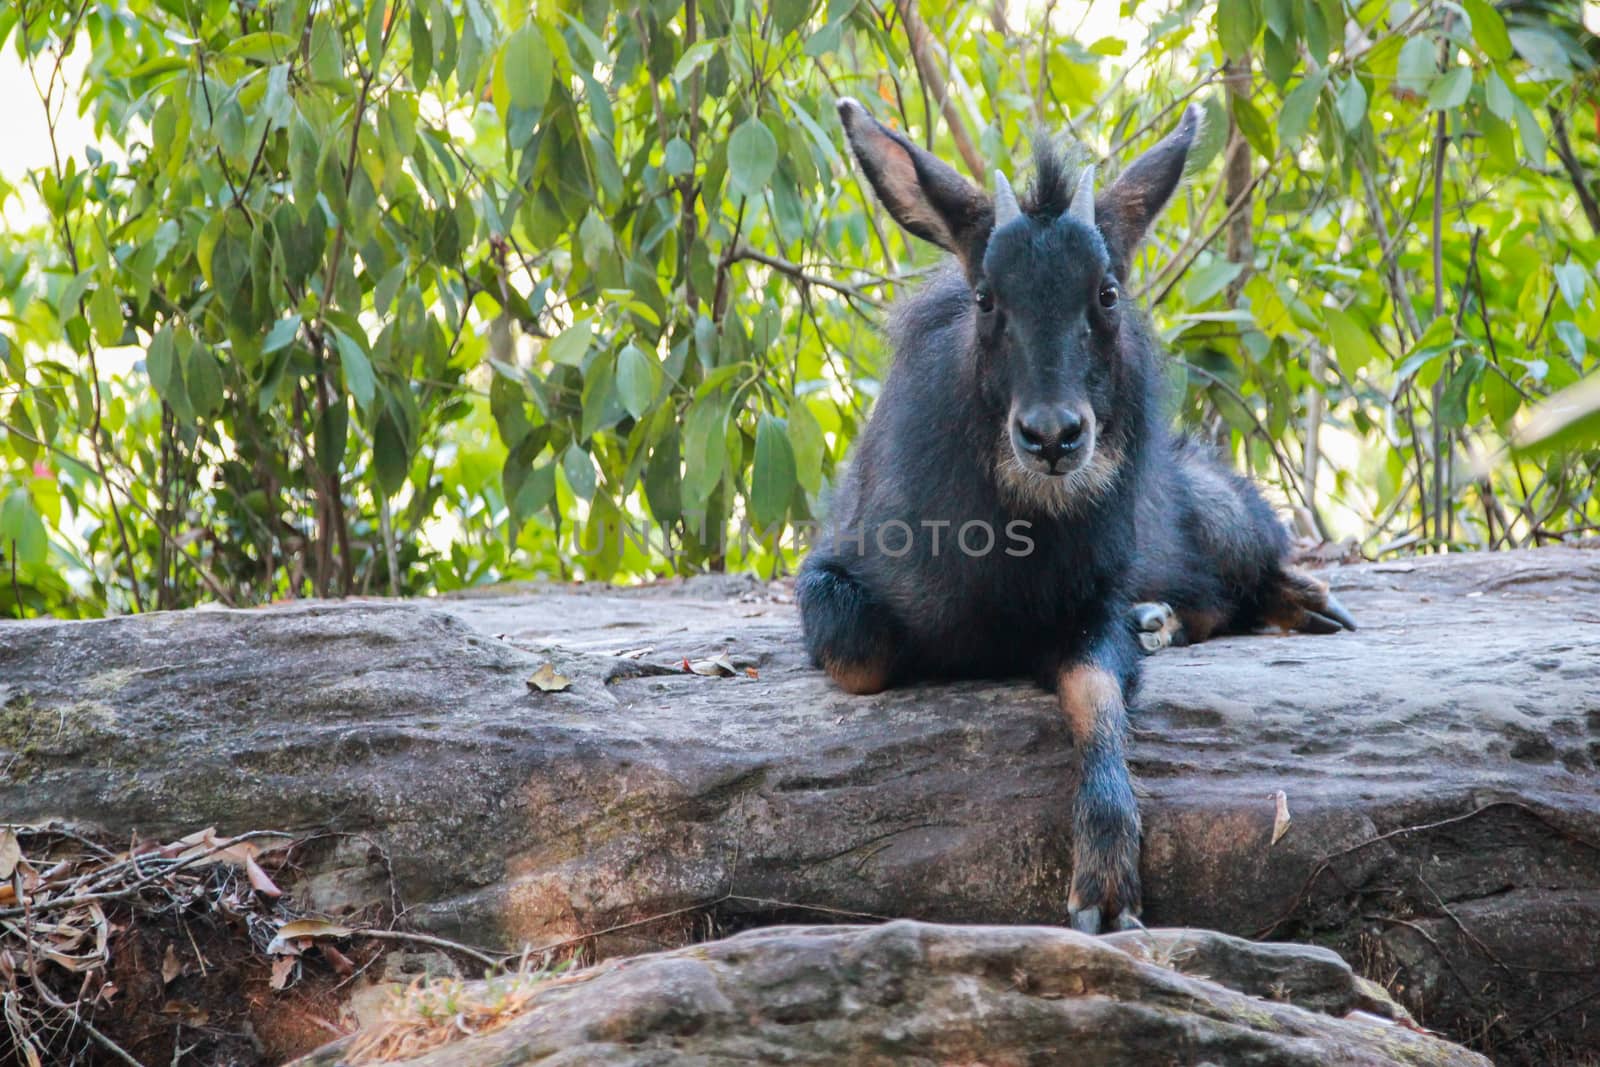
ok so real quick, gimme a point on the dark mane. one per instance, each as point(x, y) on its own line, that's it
point(1056, 164)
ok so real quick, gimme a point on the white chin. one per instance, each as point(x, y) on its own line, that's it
point(1063, 467)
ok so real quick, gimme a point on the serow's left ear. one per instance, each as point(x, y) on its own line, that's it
point(1125, 211)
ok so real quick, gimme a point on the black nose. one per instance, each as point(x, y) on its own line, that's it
point(1050, 432)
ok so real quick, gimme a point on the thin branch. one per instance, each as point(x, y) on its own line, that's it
point(206, 576)
point(1569, 160)
point(928, 70)
point(800, 274)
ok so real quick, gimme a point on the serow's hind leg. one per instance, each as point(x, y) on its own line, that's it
point(1296, 601)
point(848, 633)
point(1156, 626)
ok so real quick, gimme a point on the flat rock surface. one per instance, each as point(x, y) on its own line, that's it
point(909, 993)
point(1439, 768)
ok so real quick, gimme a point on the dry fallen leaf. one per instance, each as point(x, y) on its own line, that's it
point(190, 1014)
point(259, 880)
point(303, 929)
point(1280, 821)
point(10, 853)
point(341, 963)
point(546, 680)
point(170, 966)
point(281, 970)
point(715, 667)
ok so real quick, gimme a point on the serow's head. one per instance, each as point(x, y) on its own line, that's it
point(1047, 284)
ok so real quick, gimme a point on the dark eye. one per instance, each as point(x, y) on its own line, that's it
point(1108, 296)
point(985, 299)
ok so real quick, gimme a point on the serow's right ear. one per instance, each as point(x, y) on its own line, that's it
point(924, 194)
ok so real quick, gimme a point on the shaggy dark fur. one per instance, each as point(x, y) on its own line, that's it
point(1017, 504)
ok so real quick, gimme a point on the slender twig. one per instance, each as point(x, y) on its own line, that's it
point(928, 71)
point(800, 274)
point(95, 394)
point(132, 888)
point(206, 576)
point(1575, 171)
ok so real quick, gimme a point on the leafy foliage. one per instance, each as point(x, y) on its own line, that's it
point(408, 295)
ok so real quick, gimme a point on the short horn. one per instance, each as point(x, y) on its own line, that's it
point(1005, 201)
point(1082, 207)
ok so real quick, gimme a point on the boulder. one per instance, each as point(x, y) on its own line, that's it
point(1437, 767)
point(910, 993)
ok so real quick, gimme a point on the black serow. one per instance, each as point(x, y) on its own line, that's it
point(1024, 397)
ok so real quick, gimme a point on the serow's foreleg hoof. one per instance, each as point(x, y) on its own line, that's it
point(1301, 602)
point(1156, 626)
point(1105, 889)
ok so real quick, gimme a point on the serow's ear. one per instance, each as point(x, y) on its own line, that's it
point(924, 195)
point(1126, 210)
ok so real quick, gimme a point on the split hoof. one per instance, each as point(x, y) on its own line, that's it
point(1155, 624)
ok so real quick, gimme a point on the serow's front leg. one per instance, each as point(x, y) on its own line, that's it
point(1105, 817)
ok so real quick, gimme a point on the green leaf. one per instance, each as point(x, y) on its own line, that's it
point(1238, 22)
point(528, 68)
point(636, 379)
point(752, 156)
point(390, 461)
point(537, 490)
point(594, 237)
point(572, 344)
point(265, 47)
point(1352, 103)
point(1498, 96)
point(1541, 46)
point(679, 157)
point(693, 57)
point(105, 315)
point(374, 29)
point(1423, 359)
point(1569, 419)
point(22, 530)
point(327, 57)
point(1353, 344)
point(203, 379)
point(1573, 338)
point(1253, 126)
point(281, 335)
point(703, 457)
point(1573, 280)
point(599, 397)
point(1203, 284)
point(358, 376)
point(810, 447)
point(421, 46)
point(579, 470)
point(1453, 401)
point(1298, 106)
point(333, 430)
point(772, 481)
point(787, 15)
point(663, 483)
point(1489, 27)
point(1450, 91)
point(166, 373)
point(1417, 66)
point(1533, 138)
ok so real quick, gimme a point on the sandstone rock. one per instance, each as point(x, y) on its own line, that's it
point(1439, 767)
point(909, 993)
